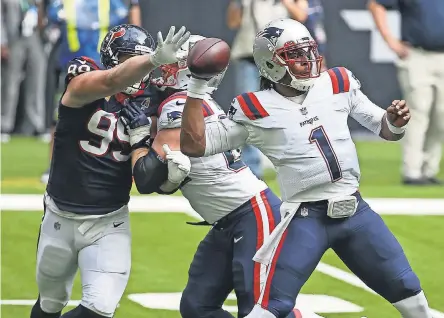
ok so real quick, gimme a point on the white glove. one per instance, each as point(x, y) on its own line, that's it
point(197, 88)
point(179, 165)
point(166, 51)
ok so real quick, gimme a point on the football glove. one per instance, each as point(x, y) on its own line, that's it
point(166, 50)
point(136, 123)
point(197, 87)
point(179, 165)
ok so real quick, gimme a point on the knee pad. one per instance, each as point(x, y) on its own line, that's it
point(37, 312)
point(414, 307)
point(52, 305)
point(405, 286)
point(82, 312)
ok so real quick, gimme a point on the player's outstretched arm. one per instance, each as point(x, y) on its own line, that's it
point(389, 125)
point(90, 86)
point(198, 139)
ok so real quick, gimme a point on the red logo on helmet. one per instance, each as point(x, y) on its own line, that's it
point(117, 34)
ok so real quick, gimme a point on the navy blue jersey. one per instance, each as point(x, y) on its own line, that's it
point(91, 166)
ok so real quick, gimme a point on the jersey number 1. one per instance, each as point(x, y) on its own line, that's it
point(319, 137)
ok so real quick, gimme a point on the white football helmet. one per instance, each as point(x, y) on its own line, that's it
point(285, 46)
point(177, 75)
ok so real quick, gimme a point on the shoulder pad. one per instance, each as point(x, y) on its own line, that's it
point(170, 111)
point(80, 65)
point(250, 106)
point(250, 109)
point(342, 80)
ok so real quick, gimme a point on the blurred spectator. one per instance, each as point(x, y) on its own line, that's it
point(421, 76)
point(82, 25)
point(22, 46)
point(249, 16)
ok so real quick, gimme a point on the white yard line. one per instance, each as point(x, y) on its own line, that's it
point(165, 204)
point(171, 204)
point(355, 281)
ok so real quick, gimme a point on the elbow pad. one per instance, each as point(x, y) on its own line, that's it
point(150, 172)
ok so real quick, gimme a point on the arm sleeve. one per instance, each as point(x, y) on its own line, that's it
point(224, 135)
point(220, 134)
point(365, 112)
point(149, 173)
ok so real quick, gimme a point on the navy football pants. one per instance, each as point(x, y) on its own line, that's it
point(363, 242)
point(223, 260)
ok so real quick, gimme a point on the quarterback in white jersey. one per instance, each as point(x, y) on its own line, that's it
point(224, 191)
point(299, 121)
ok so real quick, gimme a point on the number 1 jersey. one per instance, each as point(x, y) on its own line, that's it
point(309, 142)
point(91, 167)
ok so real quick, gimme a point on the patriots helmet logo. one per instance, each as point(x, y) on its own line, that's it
point(272, 34)
point(174, 115)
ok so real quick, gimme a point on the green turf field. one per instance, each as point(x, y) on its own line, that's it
point(163, 244)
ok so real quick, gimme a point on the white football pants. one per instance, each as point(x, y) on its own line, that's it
point(100, 248)
point(421, 76)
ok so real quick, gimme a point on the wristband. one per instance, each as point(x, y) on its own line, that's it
point(197, 88)
point(394, 129)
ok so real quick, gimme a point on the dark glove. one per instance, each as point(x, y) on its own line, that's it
point(137, 124)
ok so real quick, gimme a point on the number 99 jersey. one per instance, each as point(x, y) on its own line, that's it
point(220, 183)
point(90, 168)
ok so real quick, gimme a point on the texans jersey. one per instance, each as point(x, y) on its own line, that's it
point(91, 167)
point(308, 140)
point(220, 183)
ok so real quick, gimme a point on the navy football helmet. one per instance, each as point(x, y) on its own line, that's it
point(124, 40)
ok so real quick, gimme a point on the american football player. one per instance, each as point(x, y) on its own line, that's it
point(224, 191)
point(299, 121)
point(85, 224)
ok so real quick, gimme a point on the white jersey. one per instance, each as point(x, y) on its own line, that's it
point(220, 183)
point(308, 141)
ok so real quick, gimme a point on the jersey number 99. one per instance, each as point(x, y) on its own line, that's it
point(105, 127)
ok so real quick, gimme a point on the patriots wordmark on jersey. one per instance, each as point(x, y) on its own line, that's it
point(309, 141)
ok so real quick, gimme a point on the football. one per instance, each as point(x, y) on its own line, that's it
point(208, 57)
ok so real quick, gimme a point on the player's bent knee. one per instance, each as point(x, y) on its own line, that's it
point(259, 312)
point(52, 305)
point(104, 293)
point(405, 286)
point(189, 308)
point(83, 312)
